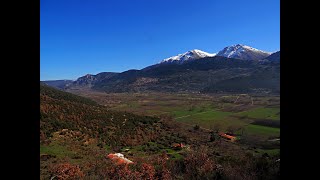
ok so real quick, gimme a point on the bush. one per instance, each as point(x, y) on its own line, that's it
point(196, 127)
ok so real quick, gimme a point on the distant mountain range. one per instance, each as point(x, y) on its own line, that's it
point(235, 69)
point(60, 84)
point(90, 80)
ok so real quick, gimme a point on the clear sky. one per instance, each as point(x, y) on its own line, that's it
point(79, 37)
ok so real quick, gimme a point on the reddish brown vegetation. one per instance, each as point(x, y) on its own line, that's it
point(199, 165)
point(135, 171)
point(66, 171)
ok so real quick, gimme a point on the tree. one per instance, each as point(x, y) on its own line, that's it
point(196, 127)
point(212, 137)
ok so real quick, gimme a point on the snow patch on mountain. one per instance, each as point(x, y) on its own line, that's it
point(190, 55)
point(235, 51)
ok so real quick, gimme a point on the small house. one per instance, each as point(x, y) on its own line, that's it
point(227, 136)
point(119, 158)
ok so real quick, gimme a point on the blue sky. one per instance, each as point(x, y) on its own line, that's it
point(79, 37)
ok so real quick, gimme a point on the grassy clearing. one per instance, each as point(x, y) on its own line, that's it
point(201, 113)
point(181, 113)
point(262, 113)
point(222, 123)
point(263, 130)
point(174, 154)
point(270, 152)
point(208, 116)
point(134, 105)
point(211, 118)
point(57, 150)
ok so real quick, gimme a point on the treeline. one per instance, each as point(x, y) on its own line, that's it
point(267, 122)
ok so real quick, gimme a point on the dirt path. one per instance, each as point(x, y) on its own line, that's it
point(236, 100)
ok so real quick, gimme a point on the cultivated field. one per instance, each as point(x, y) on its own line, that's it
point(243, 114)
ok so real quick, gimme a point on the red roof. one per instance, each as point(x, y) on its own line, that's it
point(227, 136)
point(178, 145)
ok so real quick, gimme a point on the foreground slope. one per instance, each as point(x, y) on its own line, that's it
point(60, 110)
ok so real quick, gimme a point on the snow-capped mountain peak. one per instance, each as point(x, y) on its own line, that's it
point(241, 51)
point(189, 55)
point(238, 51)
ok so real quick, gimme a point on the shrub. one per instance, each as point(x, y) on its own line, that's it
point(196, 127)
point(66, 171)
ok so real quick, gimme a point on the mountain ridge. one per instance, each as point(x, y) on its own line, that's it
point(196, 76)
point(193, 71)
